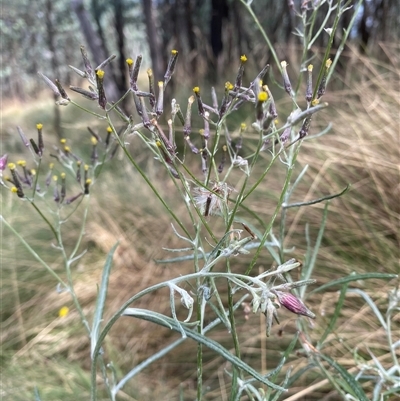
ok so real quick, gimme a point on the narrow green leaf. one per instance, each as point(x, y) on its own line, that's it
point(208, 342)
point(319, 200)
point(349, 379)
point(101, 298)
point(354, 277)
point(335, 316)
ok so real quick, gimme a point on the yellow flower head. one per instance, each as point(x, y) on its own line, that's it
point(63, 311)
point(39, 126)
point(63, 141)
point(33, 171)
point(88, 181)
point(328, 63)
point(174, 52)
point(55, 178)
point(62, 175)
point(129, 61)
point(310, 67)
point(14, 190)
point(228, 86)
point(109, 129)
point(100, 73)
point(243, 58)
point(196, 89)
point(11, 166)
point(262, 96)
point(86, 167)
point(21, 163)
point(93, 140)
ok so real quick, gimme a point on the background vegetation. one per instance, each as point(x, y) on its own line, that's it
point(362, 234)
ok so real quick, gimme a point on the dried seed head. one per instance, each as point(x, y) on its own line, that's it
point(214, 201)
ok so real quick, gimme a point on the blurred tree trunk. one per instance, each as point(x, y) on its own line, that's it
point(153, 39)
point(219, 12)
point(51, 38)
point(120, 78)
point(94, 42)
point(190, 35)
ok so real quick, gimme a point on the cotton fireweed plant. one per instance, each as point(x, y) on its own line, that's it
point(208, 195)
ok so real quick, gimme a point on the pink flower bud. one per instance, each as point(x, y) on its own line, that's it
point(294, 304)
point(3, 162)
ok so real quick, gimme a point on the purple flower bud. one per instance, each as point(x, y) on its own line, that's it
point(294, 304)
point(3, 162)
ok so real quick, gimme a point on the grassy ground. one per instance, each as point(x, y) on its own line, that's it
point(362, 149)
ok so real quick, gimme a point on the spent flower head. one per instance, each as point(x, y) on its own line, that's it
point(212, 201)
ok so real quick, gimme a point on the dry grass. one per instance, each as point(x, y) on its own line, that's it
point(361, 235)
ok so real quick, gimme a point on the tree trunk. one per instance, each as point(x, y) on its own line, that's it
point(94, 42)
point(153, 39)
point(51, 36)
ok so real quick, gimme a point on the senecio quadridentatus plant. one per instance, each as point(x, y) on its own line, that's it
point(219, 154)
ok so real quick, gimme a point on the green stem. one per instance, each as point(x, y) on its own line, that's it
point(148, 182)
point(263, 33)
point(278, 206)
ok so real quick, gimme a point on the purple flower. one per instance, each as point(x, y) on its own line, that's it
point(294, 304)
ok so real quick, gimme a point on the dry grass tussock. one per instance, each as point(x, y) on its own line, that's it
point(362, 149)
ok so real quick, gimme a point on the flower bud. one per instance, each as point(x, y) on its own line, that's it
point(200, 106)
point(100, 87)
point(286, 81)
point(239, 76)
point(293, 304)
point(171, 67)
point(3, 162)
